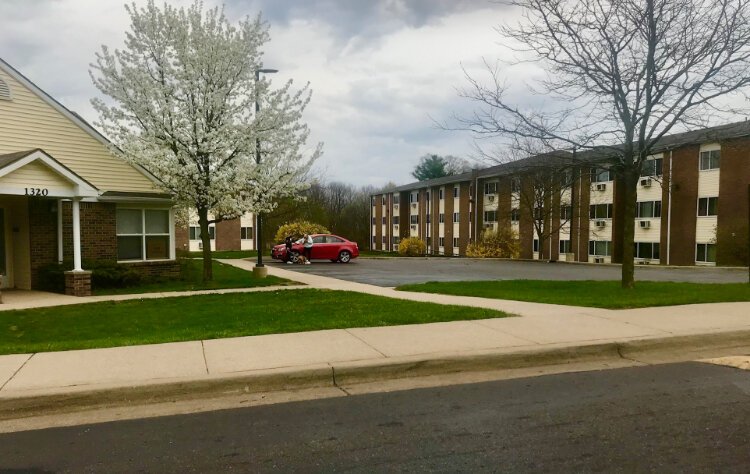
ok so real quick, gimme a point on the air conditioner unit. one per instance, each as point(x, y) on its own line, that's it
point(413, 227)
point(644, 262)
point(414, 204)
point(600, 223)
point(646, 182)
point(601, 186)
point(488, 226)
point(598, 259)
point(491, 198)
point(200, 245)
point(645, 224)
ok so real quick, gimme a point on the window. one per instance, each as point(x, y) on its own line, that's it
point(708, 206)
point(490, 188)
point(490, 216)
point(195, 232)
point(455, 241)
point(647, 250)
point(600, 248)
point(246, 233)
point(709, 160)
point(395, 220)
point(455, 217)
point(427, 195)
point(384, 221)
point(413, 197)
point(441, 241)
point(652, 167)
point(566, 178)
point(705, 253)
point(538, 213)
point(566, 212)
point(565, 246)
point(600, 211)
point(536, 245)
point(385, 240)
point(373, 221)
point(647, 209)
point(600, 175)
point(414, 220)
point(515, 215)
point(441, 218)
point(515, 185)
point(440, 194)
point(382, 200)
point(396, 240)
point(143, 233)
point(455, 192)
point(396, 199)
point(428, 218)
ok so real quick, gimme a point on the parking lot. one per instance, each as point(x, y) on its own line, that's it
point(391, 272)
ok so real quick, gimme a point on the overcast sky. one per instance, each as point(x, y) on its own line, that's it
point(379, 70)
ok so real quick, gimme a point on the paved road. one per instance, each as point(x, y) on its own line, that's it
point(398, 271)
point(669, 418)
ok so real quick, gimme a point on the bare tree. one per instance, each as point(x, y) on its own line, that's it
point(620, 74)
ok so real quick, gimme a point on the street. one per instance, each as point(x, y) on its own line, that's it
point(400, 271)
point(668, 418)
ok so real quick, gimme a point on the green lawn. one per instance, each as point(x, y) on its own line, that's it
point(597, 294)
point(376, 254)
point(228, 254)
point(212, 316)
point(225, 276)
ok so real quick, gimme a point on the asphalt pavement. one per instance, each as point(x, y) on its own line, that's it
point(667, 418)
point(389, 272)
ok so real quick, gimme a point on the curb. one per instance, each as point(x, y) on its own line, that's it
point(644, 351)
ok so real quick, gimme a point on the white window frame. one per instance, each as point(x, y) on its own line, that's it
point(250, 232)
point(143, 234)
point(708, 206)
point(709, 151)
point(705, 253)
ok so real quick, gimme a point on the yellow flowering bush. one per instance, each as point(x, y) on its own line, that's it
point(501, 243)
point(412, 247)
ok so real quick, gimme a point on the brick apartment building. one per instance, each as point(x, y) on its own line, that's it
point(235, 234)
point(65, 197)
point(692, 206)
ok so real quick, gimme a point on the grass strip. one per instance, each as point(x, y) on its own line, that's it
point(191, 278)
point(595, 294)
point(212, 316)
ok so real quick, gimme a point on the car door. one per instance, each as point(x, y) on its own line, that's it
point(318, 249)
point(334, 245)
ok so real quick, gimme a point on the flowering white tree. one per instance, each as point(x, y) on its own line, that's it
point(180, 102)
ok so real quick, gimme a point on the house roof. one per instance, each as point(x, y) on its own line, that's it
point(9, 159)
point(67, 113)
point(669, 142)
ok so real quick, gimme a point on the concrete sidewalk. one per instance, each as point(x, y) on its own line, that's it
point(544, 334)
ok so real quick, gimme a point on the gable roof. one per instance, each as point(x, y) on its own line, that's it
point(10, 162)
point(67, 113)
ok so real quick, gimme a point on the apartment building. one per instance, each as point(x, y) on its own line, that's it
point(692, 206)
point(235, 234)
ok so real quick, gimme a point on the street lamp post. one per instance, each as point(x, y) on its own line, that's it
point(259, 269)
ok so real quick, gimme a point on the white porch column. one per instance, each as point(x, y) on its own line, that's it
point(77, 235)
point(59, 231)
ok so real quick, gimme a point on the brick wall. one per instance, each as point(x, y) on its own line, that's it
point(732, 222)
point(98, 231)
point(684, 205)
point(464, 216)
point(228, 235)
point(42, 235)
point(163, 269)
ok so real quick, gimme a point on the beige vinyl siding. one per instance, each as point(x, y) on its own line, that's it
point(35, 175)
point(28, 122)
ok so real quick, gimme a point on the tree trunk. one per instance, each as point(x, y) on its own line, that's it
point(630, 181)
point(208, 273)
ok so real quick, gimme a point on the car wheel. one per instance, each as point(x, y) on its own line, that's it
point(345, 256)
point(295, 256)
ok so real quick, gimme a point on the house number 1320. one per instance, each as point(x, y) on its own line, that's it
point(36, 191)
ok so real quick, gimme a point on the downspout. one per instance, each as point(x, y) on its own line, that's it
point(580, 210)
point(669, 211)
point(473, 230)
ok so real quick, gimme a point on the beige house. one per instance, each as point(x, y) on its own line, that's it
point(64, 197)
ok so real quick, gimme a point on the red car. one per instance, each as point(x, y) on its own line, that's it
point(325, 246)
